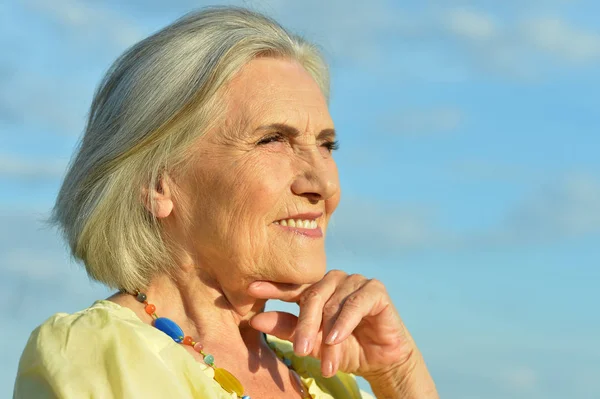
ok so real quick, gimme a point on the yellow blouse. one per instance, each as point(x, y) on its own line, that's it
point(106, 351)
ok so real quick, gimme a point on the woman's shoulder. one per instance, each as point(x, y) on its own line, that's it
point(102, 313)
point(104, 351)
point(100, 323)
point(76, 337)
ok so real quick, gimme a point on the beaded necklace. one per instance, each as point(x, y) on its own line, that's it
point(223, 377)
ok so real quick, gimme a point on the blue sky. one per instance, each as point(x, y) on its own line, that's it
point(469, 136)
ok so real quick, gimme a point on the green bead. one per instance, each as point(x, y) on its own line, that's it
point(209, 359)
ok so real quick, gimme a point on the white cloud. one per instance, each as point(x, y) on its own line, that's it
point(471, 24)
point(520, 45)
point(92, 23)
point(555, 36)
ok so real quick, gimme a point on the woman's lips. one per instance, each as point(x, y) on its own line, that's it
point(315, 233)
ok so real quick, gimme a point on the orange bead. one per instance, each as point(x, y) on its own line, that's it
point(187, 340)
point(150, 308)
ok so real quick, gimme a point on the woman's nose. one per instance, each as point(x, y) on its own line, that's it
point(317, 179)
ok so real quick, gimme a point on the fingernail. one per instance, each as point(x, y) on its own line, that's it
point(332, 336)
point(328, 369)
point(301, 345)
point(255, 284)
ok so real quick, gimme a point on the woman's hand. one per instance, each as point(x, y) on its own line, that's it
point(347, 321)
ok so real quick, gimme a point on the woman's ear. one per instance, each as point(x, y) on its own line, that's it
point(158, 200)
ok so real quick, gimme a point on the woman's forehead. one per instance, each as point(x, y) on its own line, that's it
point(269, 89)
point(273, 91)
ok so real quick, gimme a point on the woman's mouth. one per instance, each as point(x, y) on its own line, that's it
point(306, 225)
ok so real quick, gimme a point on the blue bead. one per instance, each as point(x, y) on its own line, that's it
point(245, 397)
point(170, 328)
point(287, 361)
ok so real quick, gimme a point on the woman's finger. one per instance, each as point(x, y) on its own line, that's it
point(370, 300)
point(330, 354)
point(280, 324)
point(330, 359)
point(311, 303)
point(281, 291)
point(284, 291)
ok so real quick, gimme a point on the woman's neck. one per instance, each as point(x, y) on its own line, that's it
point(204, 312)
point(209, 317)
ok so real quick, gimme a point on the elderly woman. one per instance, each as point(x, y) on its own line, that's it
point(202, 188)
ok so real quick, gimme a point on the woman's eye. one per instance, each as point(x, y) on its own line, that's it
point(270, 139)
point(331, 145)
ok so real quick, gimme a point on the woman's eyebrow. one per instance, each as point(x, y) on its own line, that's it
point(291, 131)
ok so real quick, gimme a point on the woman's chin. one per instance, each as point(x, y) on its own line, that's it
point(309, 275)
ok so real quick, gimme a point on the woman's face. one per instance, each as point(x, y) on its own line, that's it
point(263, 186)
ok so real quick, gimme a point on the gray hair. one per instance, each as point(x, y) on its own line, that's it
point(154, 102)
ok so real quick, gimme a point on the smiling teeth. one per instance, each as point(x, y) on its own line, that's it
point(303, 224)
